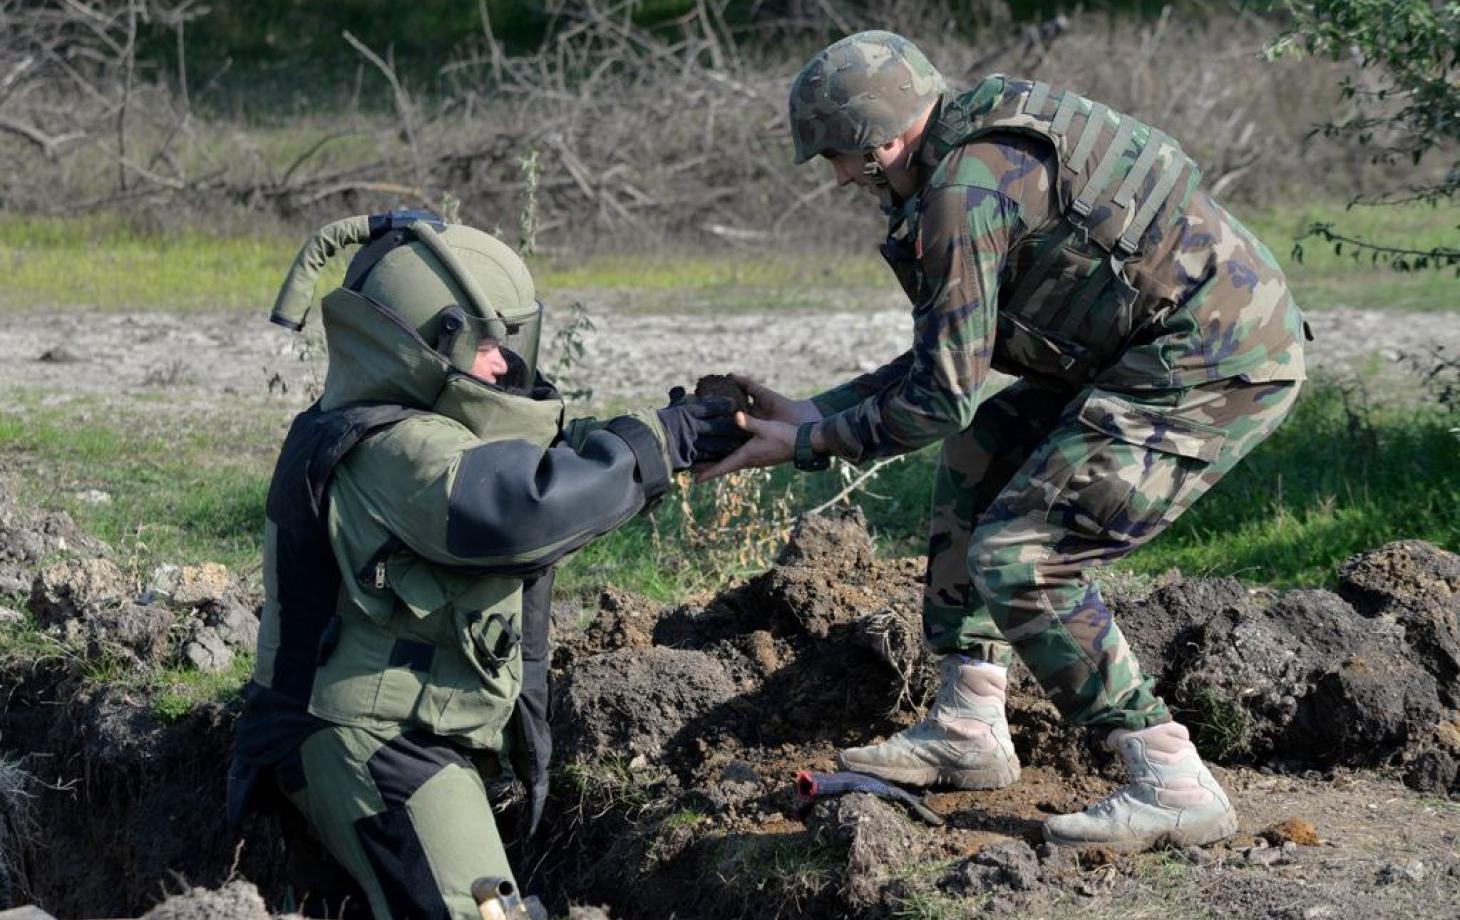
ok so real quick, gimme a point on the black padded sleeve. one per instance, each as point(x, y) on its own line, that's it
point(515, 508)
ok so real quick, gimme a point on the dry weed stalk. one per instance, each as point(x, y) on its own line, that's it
point(739, 526)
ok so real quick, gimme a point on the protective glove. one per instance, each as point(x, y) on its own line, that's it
point(699, 430)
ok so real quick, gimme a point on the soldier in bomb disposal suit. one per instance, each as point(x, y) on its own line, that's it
point(1045, 235)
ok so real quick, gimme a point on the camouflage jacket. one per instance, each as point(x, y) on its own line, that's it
point(1202, 298)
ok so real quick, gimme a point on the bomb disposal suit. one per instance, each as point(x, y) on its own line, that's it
point(1155, 344)
point(414, 517)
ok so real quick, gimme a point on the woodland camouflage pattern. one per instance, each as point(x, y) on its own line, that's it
point(860, 93)
point(1149, 367)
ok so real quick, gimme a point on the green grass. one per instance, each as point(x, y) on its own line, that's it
point(1333, 481)
point(177, 691)
point(105, 263)
point(182, 497)
point(1325, 279)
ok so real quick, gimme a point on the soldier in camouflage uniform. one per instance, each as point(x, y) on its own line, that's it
point(1155, 343)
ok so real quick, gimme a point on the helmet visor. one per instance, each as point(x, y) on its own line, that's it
point(508, 358)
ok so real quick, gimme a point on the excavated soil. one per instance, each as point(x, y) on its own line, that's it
point(1288, 691)
point(679, 730)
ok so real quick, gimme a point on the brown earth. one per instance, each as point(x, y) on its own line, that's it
point(679, 730)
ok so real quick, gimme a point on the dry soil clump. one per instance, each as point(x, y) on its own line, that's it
point(720, 386)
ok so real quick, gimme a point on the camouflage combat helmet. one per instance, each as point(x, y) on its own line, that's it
point(453, 285)
point(860, 93)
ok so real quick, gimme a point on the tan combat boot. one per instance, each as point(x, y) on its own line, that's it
point(963, 742)
point(1172, 798)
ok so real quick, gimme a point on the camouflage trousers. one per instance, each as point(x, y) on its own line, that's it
point(406, 814)
point(1045, 485)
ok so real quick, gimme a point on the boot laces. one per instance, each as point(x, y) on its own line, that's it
point(1108, 804)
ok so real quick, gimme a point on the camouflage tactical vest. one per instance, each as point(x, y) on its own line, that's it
point(1067, 308)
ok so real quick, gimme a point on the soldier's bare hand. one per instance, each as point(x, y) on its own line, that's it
point(771, 443)
point(768, 404)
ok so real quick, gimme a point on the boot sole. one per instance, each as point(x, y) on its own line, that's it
point(1197, 835)
point(995, 776)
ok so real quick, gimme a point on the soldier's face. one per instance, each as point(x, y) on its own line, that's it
point(891, 157)
point(850, 169)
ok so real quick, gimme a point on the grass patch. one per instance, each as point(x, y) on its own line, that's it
point(1325, 279)
point(106, 263)
point(102, 263)
point(1335, 480)
point(788, 870)
point(181, 497)
point(1223, 725)
point(177, 691)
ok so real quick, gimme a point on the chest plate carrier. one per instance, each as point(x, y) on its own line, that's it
point(1067, 304)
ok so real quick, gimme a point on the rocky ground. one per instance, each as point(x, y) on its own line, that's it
point(1333, 717)
point(234, 361)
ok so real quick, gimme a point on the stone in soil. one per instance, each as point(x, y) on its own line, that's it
point(75, 589)
point(1009, 864)
point(29, 537)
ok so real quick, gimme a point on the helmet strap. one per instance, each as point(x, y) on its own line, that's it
point(873, 171)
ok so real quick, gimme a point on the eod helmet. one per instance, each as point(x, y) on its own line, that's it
point(452, 285)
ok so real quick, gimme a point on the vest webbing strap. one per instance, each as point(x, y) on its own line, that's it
point(1034, 104)
point(1091, 133)
point(1096, 183)
point(1131, 239)
point(1138, 173)
point(1069, 104)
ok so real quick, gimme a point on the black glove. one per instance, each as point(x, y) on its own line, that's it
point(699, 430)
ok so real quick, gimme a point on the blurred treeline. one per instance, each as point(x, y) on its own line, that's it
point(258, 56)
point(275, 34)
point(575, 124)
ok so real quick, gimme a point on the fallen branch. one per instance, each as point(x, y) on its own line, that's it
point(47, 143)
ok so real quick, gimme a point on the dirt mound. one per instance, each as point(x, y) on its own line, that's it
point(679, 730)
point(28, 538)
point(631, 702)
point(1299, 677)
point(113, 779)
point(823, 650)
point(1417, 586)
